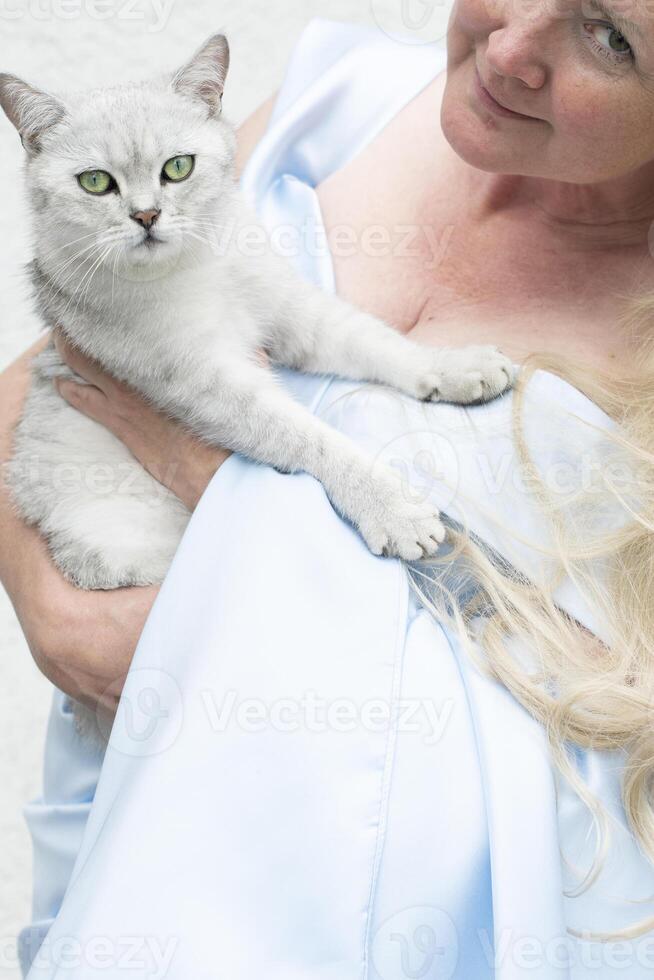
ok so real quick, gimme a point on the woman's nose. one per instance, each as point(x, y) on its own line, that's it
point(516, 50)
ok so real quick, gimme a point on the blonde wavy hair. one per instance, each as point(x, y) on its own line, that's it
point(585, 692)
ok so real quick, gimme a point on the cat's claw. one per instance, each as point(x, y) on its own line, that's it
point(466, 375)
point(401, 527)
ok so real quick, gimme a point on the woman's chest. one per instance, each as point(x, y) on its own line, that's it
point(406, 248)
point(444, 280)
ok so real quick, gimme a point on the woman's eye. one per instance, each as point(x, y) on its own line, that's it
point(96, 181)
point(610, 42)
point(178, 168)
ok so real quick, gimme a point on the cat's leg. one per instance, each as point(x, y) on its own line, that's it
point(321, 334)
point(242, 408)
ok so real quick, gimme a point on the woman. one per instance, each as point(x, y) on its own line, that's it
point(413, 830)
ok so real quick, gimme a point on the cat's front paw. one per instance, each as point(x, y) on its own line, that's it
point(396, 525)
point(466, 375)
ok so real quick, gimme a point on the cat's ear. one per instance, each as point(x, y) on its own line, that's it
point(203, 78)
point(32, 112)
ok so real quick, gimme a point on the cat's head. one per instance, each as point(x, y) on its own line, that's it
point(127, 176)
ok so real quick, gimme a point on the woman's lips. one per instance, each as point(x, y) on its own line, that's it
point(487, 99)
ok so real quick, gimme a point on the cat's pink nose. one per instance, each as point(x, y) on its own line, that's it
point(145, 218)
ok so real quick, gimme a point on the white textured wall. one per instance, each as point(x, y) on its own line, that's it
point(62, 43)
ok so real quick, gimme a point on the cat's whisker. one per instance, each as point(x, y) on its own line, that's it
point(100, 261)
point(57, 285)
point(74, 241)
point(113, 274)
point(211, 226)
point(190, 248)
point(84, 291)
point(204, 224)
point(81, 285)
point(186, 250)
point(57, 271)
point(75, 267)
point(100, 241)
point(73, 261)
point(218, 234)
point(201, 238)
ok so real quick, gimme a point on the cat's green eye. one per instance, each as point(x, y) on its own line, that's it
point(96, 181)
point(178, 168)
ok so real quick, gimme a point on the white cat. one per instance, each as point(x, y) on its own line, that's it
point(127, 186)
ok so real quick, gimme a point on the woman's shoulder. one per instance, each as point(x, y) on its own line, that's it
point(343, 84)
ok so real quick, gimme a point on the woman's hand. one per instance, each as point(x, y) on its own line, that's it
point(169, 452)
point(82, 641)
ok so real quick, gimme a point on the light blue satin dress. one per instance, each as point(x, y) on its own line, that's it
point(308, 778)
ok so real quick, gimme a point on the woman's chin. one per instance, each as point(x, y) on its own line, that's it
point(482, 147)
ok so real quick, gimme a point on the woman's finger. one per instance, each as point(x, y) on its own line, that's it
point(84, 366)
point(85, 398)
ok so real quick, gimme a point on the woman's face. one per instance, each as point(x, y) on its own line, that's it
point(580, 73)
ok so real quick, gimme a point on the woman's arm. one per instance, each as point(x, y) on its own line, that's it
point(84, 641)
